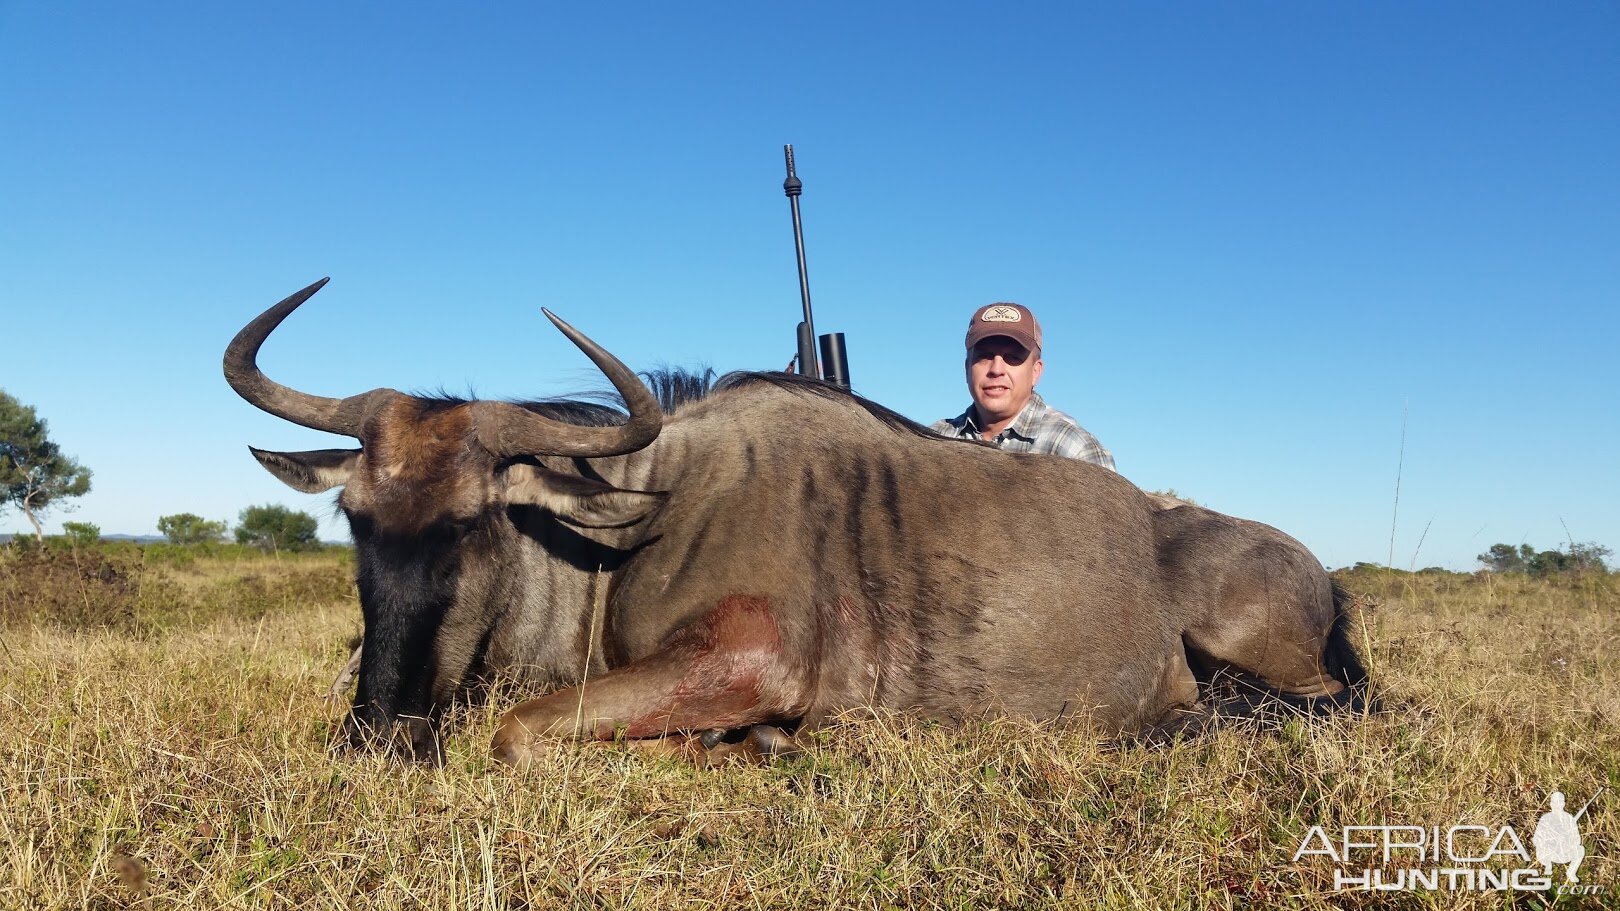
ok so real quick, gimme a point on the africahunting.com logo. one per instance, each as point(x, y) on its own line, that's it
point(1457, 858)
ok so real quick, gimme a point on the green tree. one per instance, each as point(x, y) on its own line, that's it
point(1547, 563)
point(190, 528)
point(1589, 557)
point(34, 474)
point(1505, 558)
point(1577, 559)
point(81, 533)
point(274, 527)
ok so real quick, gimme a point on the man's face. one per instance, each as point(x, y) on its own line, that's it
point(1001, 376)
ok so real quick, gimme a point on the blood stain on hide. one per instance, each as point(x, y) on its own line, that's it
point(733, 654)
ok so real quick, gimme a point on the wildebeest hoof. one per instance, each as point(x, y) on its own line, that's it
point(513, 748)
point(759, 745)
point(771, 742)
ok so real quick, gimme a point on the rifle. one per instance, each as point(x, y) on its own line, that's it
point(834, 364)
point(1589, 802)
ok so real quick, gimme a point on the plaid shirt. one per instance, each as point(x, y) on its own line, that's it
point(1039, 428)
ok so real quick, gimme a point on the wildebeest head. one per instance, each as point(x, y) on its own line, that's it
point(427, 496)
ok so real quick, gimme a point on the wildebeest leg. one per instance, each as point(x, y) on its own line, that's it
point(1180, 723)
point(1182, 713)
point(1285, 666)
point(681, 747)
point(1260, 606)
point(727, 670)
point(1277, 634)
point(757, 744)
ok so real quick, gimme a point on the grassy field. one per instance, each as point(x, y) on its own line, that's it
point(164, 745)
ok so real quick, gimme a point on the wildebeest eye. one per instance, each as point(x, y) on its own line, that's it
point(456, 527)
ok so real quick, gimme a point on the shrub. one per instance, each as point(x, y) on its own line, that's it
point(82, 534)
point(79, 588)
point(274, 527)
point(190, 528)
point(1580, 559)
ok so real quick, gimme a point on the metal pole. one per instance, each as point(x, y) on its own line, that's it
point(808, 366)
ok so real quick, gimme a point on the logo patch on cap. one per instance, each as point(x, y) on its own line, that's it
point(1002, 315)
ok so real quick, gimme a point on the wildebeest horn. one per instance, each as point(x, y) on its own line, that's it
point(508, 430)
point(242, 371)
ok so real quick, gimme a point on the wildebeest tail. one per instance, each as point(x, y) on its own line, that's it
point(1340, 656)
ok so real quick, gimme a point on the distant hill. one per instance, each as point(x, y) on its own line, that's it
point(138, 539)
point(6, 537)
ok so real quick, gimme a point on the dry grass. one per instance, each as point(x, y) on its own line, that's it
point(185, 765)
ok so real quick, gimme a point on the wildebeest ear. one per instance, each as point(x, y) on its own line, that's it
point(581, 501)
point(312, 471)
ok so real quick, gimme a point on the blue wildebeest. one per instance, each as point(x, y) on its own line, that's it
point(772, 554)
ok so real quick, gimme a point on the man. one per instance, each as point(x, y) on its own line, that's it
point(1558, 839)
point(1003, 366)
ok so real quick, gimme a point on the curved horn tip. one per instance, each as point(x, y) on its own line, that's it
point(316, 285)
point(564, 327)
point(297, 298)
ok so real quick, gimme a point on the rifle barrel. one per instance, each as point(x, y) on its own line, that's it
point(792, 187)
point(1589, 800)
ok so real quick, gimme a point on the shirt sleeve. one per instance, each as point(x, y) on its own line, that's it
point(1073, 442)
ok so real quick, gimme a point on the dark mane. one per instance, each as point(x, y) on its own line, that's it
point(674, 387)
point(803, 385)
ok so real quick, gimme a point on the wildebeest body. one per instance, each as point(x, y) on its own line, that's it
point(775, 553)
point(916, 572)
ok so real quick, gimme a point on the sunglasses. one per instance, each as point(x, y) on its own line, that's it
point(1012, 354)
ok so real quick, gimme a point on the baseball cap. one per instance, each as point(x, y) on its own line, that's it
point(1012, 320)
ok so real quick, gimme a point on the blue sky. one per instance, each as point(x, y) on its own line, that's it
point(1256, 234)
